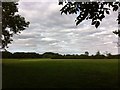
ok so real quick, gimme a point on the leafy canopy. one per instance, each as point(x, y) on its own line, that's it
point(12, 22)
point(95, 11)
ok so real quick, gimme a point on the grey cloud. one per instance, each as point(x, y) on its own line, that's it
point(51, 31)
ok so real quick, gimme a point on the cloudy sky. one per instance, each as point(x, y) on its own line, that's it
point(50, 31)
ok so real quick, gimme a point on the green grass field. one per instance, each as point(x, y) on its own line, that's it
point(60, 73)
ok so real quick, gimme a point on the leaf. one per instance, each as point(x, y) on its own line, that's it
point(97, 24)
point(78, 21)
point(116, 2)
point(65, 12)
point(60, 2)
point(107, 12)
point(75, 11)
point(93, 22)
point(115, 8)
point(102, 16)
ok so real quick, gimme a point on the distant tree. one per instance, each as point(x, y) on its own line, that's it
point(98, 53)
point(95, 11)
point(109, 54)
point(12, 22)
point(6, 54)
point(50, 55)
point(87, 53)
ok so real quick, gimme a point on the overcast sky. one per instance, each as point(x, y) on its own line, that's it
point(50, 31)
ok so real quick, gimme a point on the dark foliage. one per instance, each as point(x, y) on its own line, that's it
point(117, 32)
point(20, 55)
point(95, 11)
point(52, 55)
point(12, 23)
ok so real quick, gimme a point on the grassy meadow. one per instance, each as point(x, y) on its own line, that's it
point(60, 73)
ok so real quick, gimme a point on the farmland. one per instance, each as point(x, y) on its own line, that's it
point(60, 73)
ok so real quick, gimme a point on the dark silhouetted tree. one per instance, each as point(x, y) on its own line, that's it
point(95, 11)
point(12, 23)
point(87, 53)
point(98, 53)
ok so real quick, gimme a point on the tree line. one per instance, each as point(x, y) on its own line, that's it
point(51, 55)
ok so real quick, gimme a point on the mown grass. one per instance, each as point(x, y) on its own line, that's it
point(55, 73)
